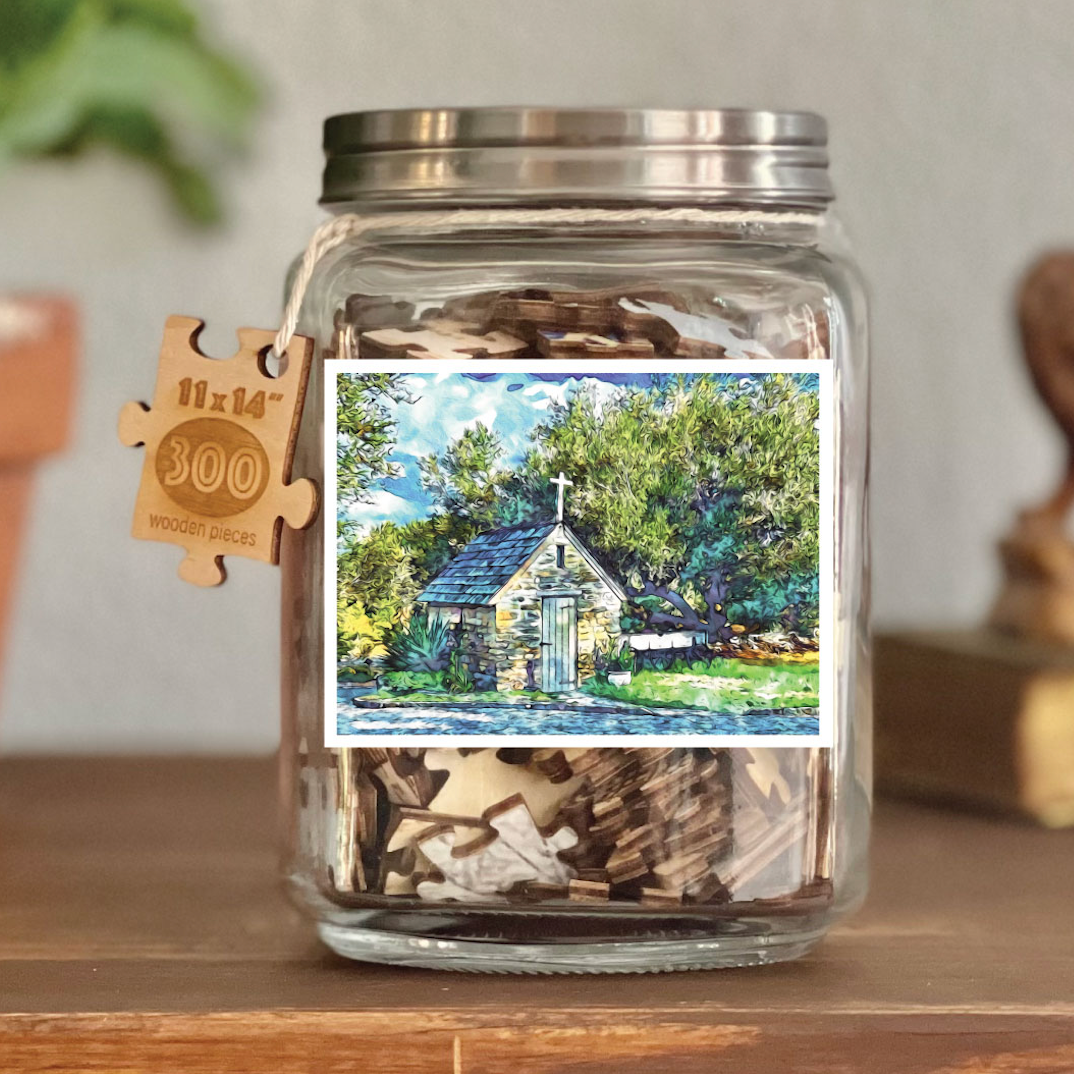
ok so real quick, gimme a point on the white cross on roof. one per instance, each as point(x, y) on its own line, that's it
point(561, 484)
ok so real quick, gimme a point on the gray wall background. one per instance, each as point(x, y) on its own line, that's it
point(953, 151)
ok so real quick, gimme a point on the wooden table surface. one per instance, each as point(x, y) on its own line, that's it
point(142, 928)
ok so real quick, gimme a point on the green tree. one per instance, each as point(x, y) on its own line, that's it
point(366, 432)
point(376, 581)
point(468, 480)
point(700, 491)
point(376, 586)
point(382, 571)
point(433, 542)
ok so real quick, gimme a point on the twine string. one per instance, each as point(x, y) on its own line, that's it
point(339, 229)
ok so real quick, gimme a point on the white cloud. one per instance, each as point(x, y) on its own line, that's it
point(548, 391)
point(486, 418)
point(445, 410)
point(384, 505)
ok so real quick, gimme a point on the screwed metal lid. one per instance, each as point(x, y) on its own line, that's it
point(497, 156)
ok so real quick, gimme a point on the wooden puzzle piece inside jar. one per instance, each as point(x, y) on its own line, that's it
point(575, 345)
point(516, 851)
point(800, 333)
point(481, 780)
point(688, 335)
point(439, 339)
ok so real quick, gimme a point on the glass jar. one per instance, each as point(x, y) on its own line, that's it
point(675, 246)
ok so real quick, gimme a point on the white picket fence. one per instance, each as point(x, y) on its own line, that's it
point(679, 639)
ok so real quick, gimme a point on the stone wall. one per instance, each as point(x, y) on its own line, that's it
point(517, 642)
point(473, 628)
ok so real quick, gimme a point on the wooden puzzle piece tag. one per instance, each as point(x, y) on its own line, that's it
point(219, 443)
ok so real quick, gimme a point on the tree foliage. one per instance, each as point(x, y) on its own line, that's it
point(468, 480)
point(381, 573)
point(376, 579)
point(366, 433)
point(136, 76)
point(701, 492)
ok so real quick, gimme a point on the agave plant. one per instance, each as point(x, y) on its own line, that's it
point(136, 76)
point(422, 645)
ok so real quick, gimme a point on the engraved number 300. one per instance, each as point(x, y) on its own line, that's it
point(208, 467)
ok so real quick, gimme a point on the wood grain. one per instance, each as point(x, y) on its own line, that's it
point(219, 443)
point(142, 929)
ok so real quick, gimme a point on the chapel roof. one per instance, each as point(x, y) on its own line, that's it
point(486, 565)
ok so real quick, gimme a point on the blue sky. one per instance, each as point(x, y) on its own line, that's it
point(447, 404)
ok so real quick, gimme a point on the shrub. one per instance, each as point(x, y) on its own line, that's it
point(420, 646)
point(622, 659)
point(457, 678)
point(354, 673)
point(405, 682)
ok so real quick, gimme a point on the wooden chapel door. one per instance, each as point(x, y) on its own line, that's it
point(559, 644)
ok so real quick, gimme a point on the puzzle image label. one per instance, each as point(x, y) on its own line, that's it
point(578, 552)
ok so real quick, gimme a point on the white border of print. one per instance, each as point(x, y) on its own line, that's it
point(828, 506)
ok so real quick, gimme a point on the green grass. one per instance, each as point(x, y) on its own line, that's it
point(719, 685)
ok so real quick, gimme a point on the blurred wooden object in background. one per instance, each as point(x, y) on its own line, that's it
point(38, 340)
point(986, 718)
point(1037, 598)
point(977, 719)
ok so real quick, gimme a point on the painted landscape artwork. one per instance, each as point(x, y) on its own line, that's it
point(523, 552)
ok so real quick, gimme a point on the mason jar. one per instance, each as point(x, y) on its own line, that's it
point(577, 679)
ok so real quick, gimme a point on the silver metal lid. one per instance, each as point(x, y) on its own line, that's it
point(498, 156)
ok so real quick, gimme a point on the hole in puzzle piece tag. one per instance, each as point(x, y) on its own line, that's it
point(220, 442)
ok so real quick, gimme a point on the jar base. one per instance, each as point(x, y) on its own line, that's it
point(626, 956)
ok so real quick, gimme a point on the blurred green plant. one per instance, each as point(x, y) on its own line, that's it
point(137, 76)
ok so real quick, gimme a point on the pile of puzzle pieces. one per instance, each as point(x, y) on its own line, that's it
point(626, 323)
point(660, 827)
